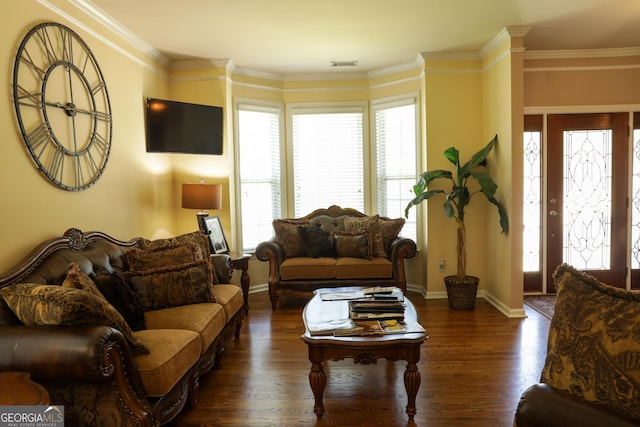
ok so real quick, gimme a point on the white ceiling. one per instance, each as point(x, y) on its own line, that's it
point(304, 36)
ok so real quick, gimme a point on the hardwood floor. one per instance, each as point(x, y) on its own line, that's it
point(474, 367)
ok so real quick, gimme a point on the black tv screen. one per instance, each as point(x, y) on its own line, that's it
point(180, 127)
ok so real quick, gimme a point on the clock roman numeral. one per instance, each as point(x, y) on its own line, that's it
point(46, 44)
point(100, 143)
point(105, 117)
point(24, 97)
point(26, 58)
point(67, 47)
point(99, 148)
point(38, 139)
point(78, 176)
point(55, 163)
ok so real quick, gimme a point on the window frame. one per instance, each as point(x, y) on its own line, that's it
point(412, 98)
point(256, 106)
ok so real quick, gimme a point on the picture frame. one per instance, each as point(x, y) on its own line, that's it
point(217, 240)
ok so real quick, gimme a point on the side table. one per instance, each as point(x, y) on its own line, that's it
point(241, 262)
point(18, 389)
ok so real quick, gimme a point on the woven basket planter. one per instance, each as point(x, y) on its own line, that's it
point(462, 295)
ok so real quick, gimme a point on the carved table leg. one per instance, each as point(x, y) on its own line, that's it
point(241, 262)
point(412, 381)
point(317, 379)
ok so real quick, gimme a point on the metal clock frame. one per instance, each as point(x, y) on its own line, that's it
point(68, 160)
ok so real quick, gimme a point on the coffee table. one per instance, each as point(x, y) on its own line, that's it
point(362, 349)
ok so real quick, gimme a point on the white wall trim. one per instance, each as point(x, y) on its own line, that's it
point(512, 313)
point(581, 109)
point(107, 21)
point(547, 68)
point(582, 53)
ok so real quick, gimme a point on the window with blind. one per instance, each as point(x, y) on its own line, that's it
point(328, 159)
point(395, 137)
point(258, 132)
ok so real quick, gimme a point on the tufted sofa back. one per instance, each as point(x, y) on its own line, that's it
point(49, 262)
point(96, 255)
point(328, 223)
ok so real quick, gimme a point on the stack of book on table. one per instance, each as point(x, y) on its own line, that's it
point(377, 310)
point(383, 303)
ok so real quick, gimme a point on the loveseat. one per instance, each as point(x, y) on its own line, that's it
point(119, 332)
point(334, 247)
point(591, 375)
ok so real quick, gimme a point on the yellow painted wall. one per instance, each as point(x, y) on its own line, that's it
point(469, 99)
point(453, 96)
point(203, 83)
point(586, 81)
point(134, 195)
point(503, 111)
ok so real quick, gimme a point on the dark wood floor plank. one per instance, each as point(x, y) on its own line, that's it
point(474, 367)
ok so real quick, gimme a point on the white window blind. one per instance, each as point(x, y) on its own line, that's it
point(395, 139)
point(260, 182)
point(328, 160)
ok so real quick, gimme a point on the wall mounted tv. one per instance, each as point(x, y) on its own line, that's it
point(180, 127)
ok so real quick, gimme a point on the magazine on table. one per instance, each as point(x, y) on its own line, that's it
point(376, 293)
point(331, 326)
point(393, 326)
point(380, 327)
point(361, 316)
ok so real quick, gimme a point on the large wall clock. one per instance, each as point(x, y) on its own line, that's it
point(62, 106)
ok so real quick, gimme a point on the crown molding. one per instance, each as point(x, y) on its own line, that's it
point(505, 34)
point(462, 55)
point(328, 76)
point(393, 69)
point(109, 22)
point(194, 64)
point(582, 53)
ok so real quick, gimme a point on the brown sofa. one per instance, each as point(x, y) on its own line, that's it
point(126, 331)
point(591, 375)
point(334, 247)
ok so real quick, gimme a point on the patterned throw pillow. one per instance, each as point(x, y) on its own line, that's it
point(316, 242)
point(594, 342)
point(288, 234)
point(389, 229)
point(159, 257)
point(117, 291)
point(173, 285)
point(351, 244)
point(38, 305)
point(77, 279)
point(194, 239)
point(372, 225)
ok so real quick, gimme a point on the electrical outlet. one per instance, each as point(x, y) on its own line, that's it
point(441, 264)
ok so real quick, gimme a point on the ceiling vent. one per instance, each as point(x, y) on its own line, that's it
point(335, 64)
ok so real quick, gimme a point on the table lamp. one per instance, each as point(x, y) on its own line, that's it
point(202, 196)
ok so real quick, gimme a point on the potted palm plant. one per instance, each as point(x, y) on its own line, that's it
point(461, 288)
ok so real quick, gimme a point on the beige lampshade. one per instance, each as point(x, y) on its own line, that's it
point(202, 196)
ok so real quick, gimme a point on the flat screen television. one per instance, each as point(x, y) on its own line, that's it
point(180, 127)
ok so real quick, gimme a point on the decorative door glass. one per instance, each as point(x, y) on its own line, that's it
point(587, 199)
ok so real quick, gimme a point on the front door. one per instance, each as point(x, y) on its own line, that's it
point(586, 200)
